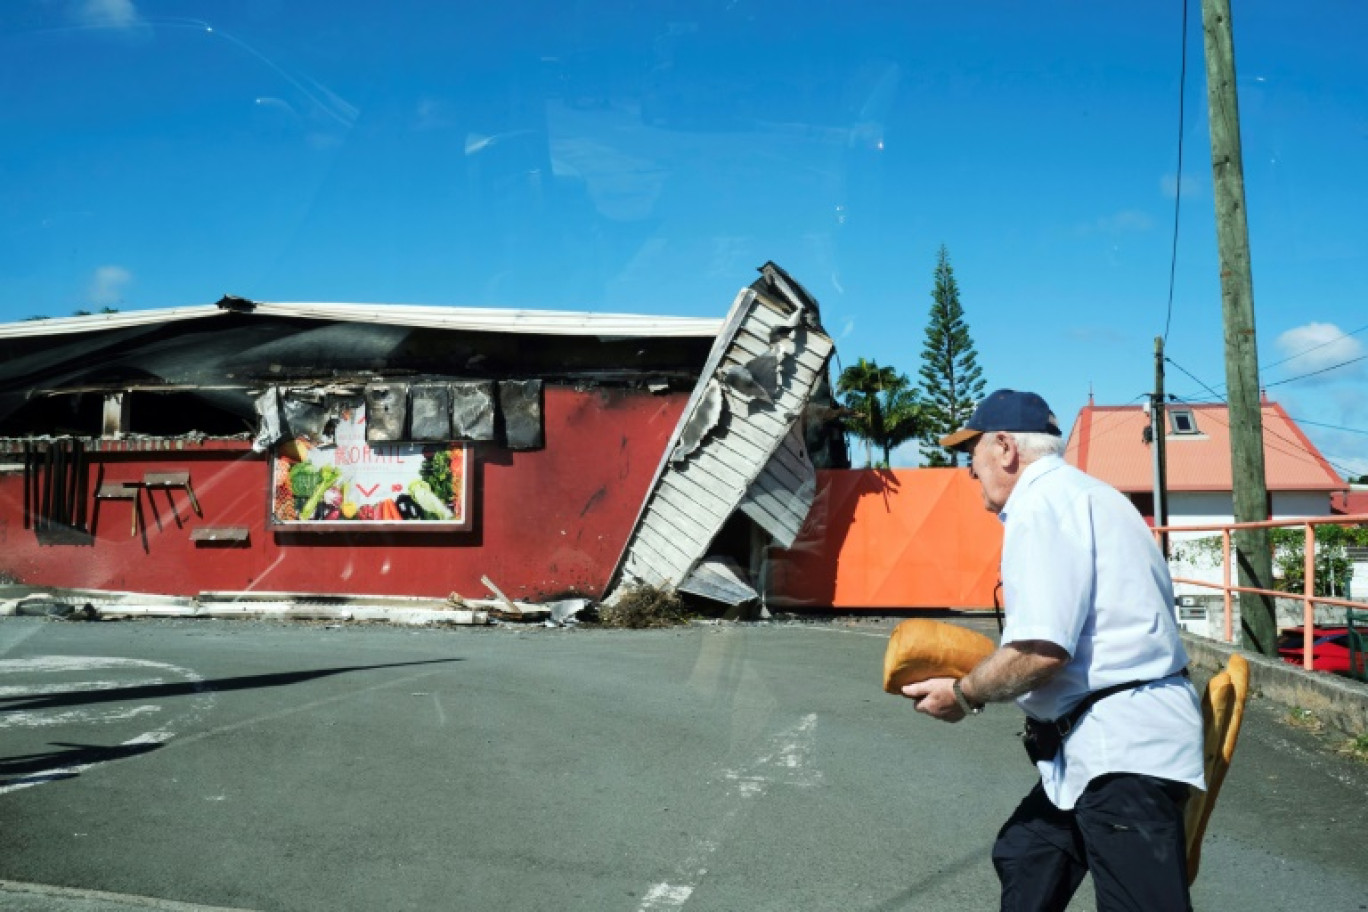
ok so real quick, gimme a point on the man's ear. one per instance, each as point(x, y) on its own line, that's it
point(1005, 447)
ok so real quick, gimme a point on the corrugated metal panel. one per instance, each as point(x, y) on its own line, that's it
point(781, 497)
point(767, 360)
point(539, 322)
point(721, 580)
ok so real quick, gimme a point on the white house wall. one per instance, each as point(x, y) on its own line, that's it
point(1205, 508)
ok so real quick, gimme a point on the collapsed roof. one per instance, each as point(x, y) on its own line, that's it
point(219, 353)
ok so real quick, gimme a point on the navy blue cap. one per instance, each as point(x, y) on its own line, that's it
point(1005, 410)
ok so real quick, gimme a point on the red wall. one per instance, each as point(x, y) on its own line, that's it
point(547, 522)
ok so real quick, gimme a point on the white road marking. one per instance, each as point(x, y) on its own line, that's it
point(59, 662)
point(665, 896)
point(75, 687)
point(77, 663)
point(882, 635)
point(789, 754)
point(13, 887)
point(75, 717)
point(66, 772)
point(107, 712)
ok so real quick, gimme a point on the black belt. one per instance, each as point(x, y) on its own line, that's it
point(1043, 738)
point(1066, 722)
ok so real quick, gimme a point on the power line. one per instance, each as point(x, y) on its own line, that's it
point(1321, 371)
point(1178, 183)
point(1098, 430)
point(1268, 367)
point(1342, 469)
point(1299, 452)
point(1343, 335)
point(1333, 427)
point(1194, 377)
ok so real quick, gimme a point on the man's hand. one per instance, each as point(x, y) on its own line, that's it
point(936, 698)
point(1009, 672)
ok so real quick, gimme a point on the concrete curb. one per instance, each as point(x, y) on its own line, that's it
point(273, 611)
point(120, 606)
point(1334, 700)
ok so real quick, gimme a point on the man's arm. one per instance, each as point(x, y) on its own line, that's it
point(1009, 672)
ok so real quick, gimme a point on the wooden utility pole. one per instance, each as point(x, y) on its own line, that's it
point(1157, 425)
point(1253, 553)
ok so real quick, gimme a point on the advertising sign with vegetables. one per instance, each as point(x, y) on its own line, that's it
point(348, 483)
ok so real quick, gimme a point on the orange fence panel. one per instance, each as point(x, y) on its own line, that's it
point(900, 538)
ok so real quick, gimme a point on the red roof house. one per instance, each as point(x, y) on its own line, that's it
point(1111, 443)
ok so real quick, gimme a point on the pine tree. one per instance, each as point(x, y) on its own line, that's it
point(951, 381)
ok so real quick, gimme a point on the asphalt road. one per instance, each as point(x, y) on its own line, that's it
point(240, 765)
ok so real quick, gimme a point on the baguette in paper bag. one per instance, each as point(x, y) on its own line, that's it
point(919, 649)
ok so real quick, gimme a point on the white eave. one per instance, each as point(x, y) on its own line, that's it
point(474, 319)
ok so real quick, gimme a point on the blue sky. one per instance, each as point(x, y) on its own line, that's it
point(646, 156)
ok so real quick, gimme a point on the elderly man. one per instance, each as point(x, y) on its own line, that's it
point(1090, 650)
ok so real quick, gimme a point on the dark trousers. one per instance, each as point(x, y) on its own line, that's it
point(1126, 829)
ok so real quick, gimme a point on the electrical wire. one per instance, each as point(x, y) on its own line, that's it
point(1333, 427)
point(1307, 351)
point(1323, 370)
point(1313, 373)
point(1178, 184)
point(1343, 335)
point(1342, 469)
point(1297, 452)
point(1169, 360)
point(1098, 430)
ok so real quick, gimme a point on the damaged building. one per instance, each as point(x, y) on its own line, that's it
point(417, 451)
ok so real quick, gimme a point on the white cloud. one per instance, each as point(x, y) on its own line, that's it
point(1320, 347)
point(1096, 335)
point(119, 14)
point(1168, 186)
point(1121, 222)
point(1354, 466)
point(1351, 405)
point(107, 285)
point(1346, 456)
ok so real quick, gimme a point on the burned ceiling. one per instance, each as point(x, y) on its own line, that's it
point(53, 382)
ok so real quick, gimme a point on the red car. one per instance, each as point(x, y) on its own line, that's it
point(1329, 649)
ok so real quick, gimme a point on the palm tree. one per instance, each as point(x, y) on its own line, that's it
point(905, 417)
point(859, 386)
point(885, 411)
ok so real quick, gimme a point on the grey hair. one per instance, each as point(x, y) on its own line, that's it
point(1033, 446)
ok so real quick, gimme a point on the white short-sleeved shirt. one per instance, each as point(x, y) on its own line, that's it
point(1081, 569)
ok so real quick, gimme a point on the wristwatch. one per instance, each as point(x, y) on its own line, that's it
point(970, 709)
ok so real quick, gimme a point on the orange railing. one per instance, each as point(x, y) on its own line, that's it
point(1308, 598)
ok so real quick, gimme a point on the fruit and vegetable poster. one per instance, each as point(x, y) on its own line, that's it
point(348, 483)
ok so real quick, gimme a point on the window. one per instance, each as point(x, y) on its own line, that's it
point(1182, 421)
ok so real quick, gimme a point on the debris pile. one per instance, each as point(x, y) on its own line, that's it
point(644, 606)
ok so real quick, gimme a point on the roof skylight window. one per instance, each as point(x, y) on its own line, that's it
point(1182, 421)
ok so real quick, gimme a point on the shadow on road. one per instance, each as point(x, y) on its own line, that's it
point(50, 766)
point(61, 764)
point(33, 703)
